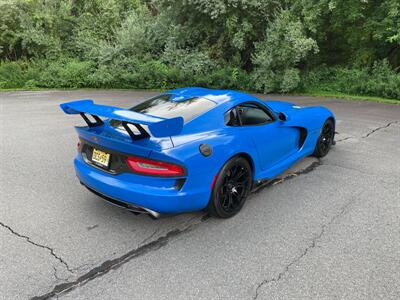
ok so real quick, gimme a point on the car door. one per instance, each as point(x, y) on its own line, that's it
point(273, 141)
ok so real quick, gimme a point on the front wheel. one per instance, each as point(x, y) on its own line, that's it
point(231, 188)
point(325, 139)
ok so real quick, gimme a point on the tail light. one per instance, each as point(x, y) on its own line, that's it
point(154, 167)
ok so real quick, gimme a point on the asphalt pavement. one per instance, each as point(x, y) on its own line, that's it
point(328, 229)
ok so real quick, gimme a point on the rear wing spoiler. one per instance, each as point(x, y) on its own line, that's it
point(158, 127)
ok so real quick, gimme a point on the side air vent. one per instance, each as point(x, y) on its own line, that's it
point(303, 135)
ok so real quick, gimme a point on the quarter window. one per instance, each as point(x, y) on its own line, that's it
point(231, 118)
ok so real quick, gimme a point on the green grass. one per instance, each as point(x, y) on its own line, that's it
point(348, 97)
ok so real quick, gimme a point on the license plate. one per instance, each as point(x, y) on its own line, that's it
point(100, 157)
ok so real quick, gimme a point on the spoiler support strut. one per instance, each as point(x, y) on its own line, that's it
point(135, 137)
point(99, 121)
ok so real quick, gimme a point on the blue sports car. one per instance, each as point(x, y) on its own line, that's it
point(193, 148)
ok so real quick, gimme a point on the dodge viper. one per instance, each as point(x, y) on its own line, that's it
point(193, 148)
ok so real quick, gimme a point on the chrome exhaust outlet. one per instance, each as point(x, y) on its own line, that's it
point(152, 213)
point(139, 210)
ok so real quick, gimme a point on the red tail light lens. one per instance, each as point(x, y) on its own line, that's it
point(153, 167)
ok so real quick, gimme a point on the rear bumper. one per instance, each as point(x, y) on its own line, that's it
point(133, 208)
point(139, 191)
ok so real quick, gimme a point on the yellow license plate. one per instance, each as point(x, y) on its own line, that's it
point(101, 157)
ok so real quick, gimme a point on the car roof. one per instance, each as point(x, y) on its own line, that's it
point(217, 96)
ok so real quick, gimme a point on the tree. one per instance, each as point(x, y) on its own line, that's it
point(277, 56)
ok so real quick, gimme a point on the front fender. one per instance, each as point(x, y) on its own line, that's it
point(310, 118)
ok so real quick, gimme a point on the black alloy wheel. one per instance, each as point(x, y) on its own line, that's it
point(325, 139)
point(231, 188)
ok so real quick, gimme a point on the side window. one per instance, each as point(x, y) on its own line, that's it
point(252, 114)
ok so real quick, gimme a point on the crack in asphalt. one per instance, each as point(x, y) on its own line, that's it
point(55, 273)
point(379, 128)
point(115, 263)
point(312, 245)
point(28, 239)
point(148, 238)
point(368, 133)
point(58, 278)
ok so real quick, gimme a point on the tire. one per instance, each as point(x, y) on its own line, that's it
point(325, 139)
point(231, 188)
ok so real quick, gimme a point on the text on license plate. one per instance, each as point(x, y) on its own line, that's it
point(101, 157)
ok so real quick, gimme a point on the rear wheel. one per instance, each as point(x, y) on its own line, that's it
point(231, 188)
point(325, 139)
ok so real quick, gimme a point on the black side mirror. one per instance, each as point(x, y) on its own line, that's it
point(282, 116)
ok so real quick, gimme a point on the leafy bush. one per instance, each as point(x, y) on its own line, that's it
point(227, 77)
point(277, 56)
point(66, 73)
point(380, 80)
point(11, 75)
point(190, 63)
point(18, 74)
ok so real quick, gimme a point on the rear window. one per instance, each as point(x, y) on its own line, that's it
point(161, 106)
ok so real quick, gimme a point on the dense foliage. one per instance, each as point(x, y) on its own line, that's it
point(348, 46)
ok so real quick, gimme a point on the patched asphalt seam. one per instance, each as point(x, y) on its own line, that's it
point(115, 263)
point(312, 245)
point(379, 128)
point(28, 239)
point(279, 180)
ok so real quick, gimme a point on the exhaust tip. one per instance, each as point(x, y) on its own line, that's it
point(139, 210)
point(152, 213)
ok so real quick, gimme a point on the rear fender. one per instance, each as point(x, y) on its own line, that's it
point(201, 169)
